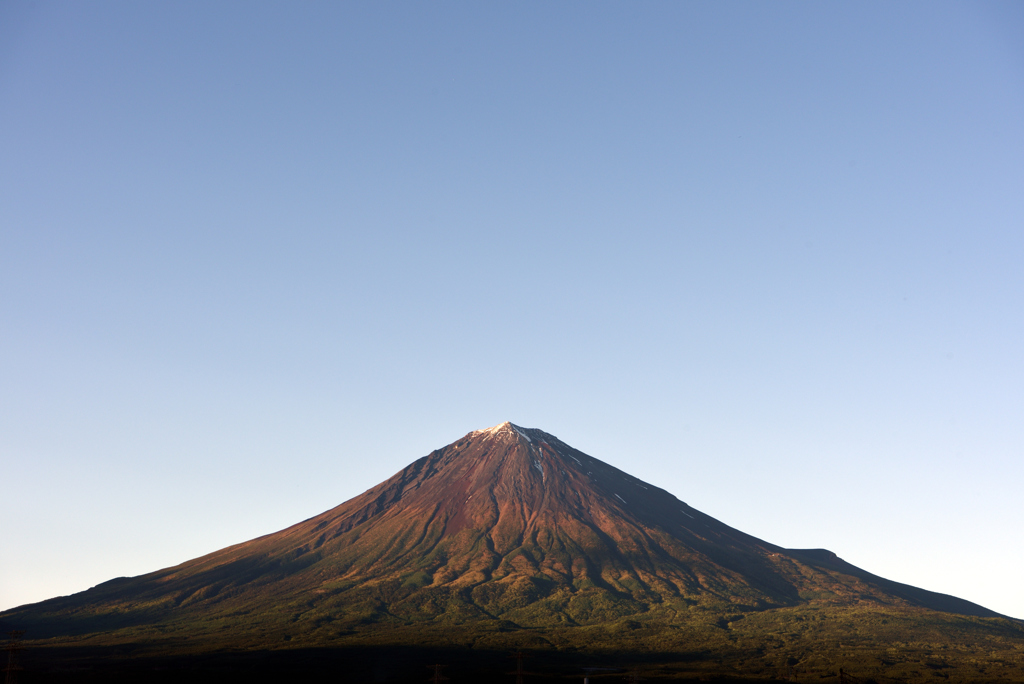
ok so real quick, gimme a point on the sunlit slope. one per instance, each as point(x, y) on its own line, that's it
point(506, 524)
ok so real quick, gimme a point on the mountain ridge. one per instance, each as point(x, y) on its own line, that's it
point(506, 523)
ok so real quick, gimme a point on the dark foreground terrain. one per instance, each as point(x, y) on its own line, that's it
point(808, 643)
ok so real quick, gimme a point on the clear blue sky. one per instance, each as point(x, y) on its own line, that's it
point(255, 258)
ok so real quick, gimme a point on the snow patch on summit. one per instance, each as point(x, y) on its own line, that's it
point(523, 434)
point(488, 431)
point(503, 427)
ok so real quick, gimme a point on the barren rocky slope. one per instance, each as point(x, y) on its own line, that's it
point(508, 524)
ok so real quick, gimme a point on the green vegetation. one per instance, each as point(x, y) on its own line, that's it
point(670, 641)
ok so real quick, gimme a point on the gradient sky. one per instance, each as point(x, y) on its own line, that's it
point(257, 257)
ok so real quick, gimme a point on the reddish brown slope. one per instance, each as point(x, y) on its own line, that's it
point(508, 523)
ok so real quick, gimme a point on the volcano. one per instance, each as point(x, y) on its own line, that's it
point(490, 526)
point(504, 531)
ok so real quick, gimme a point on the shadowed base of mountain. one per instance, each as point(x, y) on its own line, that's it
point(396, 664)
point(810, 642)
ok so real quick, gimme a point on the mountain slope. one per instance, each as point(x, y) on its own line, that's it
point(507, 524)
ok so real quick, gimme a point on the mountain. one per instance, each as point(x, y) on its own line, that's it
point(508, 533)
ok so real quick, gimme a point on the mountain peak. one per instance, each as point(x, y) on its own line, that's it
point(509, 429)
